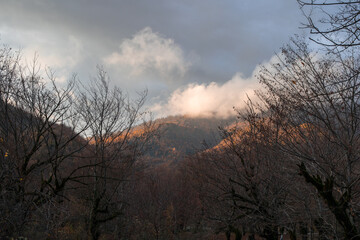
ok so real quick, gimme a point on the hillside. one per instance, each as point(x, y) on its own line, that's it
point(180, 136)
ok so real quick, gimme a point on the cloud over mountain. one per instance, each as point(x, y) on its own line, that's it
point(209, 100)
point(148, 51)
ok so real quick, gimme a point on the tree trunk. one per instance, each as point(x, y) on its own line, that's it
point(270, 233)
point(340, 208)
point(228, 235)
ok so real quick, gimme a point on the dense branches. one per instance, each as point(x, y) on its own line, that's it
point(37, 140)
point(316, 98)
point(115, 148)
point(58, 142)
point(293, 161)
point(339, 26)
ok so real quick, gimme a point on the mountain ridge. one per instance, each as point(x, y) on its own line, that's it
point(180, 136)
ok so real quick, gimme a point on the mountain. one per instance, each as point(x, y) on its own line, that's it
point(180, 136)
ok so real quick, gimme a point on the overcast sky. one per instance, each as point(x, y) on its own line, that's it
point(193, 56)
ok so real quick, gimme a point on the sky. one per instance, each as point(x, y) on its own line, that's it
point(195, 57)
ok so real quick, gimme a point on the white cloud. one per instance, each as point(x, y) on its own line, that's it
point(209, 100)
point(149, 52)
point(215, 99)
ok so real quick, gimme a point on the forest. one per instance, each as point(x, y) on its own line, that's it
point(87, 161)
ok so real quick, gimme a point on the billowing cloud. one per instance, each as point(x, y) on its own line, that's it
point(149, 52)
point(209, 100)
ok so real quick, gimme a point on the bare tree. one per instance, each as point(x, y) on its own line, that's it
point(316, 100)
point(307, 123)
point(165, 205)
point(115, 148)
point(37, 141)
point(58, 142)
point(339, 24)
point(245, 183)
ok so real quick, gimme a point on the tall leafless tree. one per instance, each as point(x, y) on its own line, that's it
point(245, 182)
point(316, 99)
point(115, 147)
point(37, 141)
point(57, 143)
